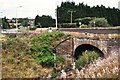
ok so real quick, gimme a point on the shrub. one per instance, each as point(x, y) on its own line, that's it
point(84, 26)
point(42, 48)
point(86, 58)
point(99, 22)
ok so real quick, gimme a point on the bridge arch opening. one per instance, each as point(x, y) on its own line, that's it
point(82, 48)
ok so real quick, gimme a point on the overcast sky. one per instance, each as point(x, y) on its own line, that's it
point(30, 8)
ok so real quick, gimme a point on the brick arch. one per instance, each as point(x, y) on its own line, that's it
point(83, 47)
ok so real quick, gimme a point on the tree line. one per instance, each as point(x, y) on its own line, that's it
point(81, 11)
point(44, 21)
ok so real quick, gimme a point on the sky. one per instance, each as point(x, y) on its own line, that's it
point(31, 8)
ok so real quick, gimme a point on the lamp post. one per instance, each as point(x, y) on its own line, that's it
point(16, 16)
point(54, 51)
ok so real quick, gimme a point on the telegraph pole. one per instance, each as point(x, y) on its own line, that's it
point(71, 13)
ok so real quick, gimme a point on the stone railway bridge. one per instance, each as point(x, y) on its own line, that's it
point(103, 40)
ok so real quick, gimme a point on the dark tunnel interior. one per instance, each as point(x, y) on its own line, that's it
point(84, 47)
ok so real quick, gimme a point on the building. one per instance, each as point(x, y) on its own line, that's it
point(12, 22)
point(119, 5)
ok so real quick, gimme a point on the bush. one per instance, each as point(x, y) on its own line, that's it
point(42, 48)
point(99, 22)
point(84, 26)
point(86, 58)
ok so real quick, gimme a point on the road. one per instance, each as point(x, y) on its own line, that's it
point(9, 31)
point(114, 30)
point(93, 30)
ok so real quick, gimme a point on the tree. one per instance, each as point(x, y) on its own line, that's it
point(99, 22)
point(63, 11)
point(5, 24)
point(82, 11)
point(36, 20)
point(25, 22)
point(44, 21)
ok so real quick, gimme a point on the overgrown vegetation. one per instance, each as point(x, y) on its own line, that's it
point(29, 56)
point(103, 67)
point(86, 58)
point(42, 48)
point(15, 44)
point(16, 61)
